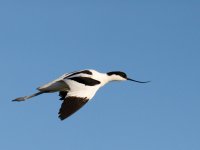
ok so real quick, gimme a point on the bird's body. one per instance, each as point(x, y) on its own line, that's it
point(77, 88)
point(83, 83)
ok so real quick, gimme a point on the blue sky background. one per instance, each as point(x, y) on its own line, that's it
point(158, 41)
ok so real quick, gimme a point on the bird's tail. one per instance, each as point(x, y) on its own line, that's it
point(27, 97)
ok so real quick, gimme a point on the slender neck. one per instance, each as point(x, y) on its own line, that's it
point(114, 78)
point(111, 78)
point(106, 79)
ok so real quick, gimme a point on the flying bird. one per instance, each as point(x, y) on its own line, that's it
point(77, 88)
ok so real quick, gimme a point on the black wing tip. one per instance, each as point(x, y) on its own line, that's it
point(61, 118)
point(70, 105)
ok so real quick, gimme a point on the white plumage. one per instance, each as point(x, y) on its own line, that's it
point(77, 88)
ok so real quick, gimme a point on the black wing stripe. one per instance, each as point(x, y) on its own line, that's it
point(70, 105)
point(84, 72)
point(86, 80)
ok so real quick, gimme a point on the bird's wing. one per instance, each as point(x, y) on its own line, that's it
point(75, 98)
point(82, 73)
point(59, 84)
point(70, 105)
point(55, 85)
point(81, 90)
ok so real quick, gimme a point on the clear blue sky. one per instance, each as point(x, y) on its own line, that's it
point(158, 41)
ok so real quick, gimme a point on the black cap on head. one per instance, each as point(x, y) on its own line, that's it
point(119, 73)
point(123, 75)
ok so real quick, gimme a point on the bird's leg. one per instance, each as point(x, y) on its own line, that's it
point(62, 94)
point(19, 99)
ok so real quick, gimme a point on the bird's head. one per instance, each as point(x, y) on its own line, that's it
point(121, 76)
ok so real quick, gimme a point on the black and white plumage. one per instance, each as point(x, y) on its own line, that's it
point(77, 88)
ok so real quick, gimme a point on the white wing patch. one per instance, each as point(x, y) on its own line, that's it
point(81, 90)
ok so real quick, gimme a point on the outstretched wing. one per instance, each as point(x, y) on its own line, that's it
point(70, 105)
point(59, 84)
point(81, 89)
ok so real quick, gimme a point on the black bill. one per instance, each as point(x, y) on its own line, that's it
point(137, 81)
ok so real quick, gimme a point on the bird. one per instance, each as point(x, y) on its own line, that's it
point(77, 88)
